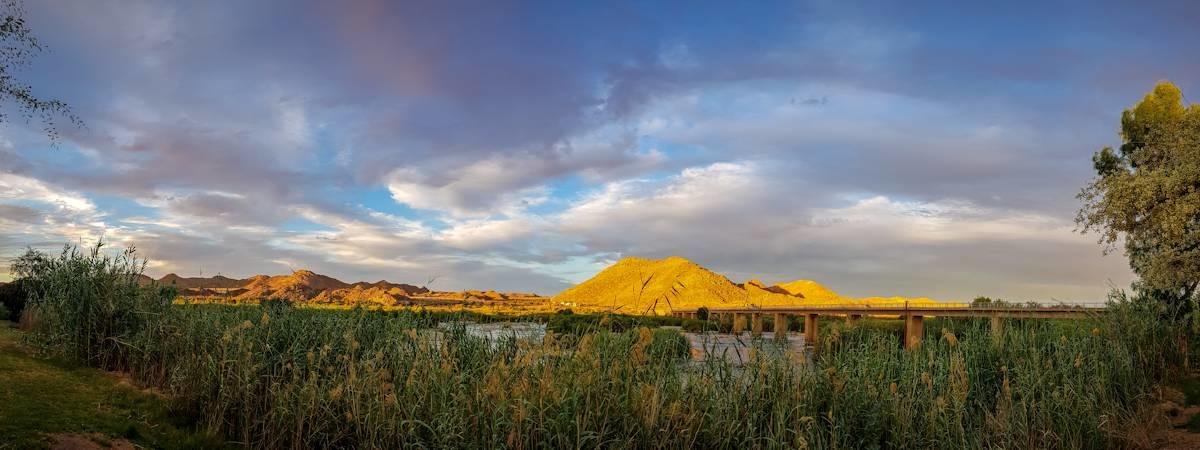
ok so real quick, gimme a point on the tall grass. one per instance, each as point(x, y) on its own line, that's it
point(90, 304)
point(276, 376)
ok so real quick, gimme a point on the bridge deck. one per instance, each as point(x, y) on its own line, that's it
point(1048, 312)
point(913, 316)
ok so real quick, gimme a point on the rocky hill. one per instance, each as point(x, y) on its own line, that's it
point(642, 286)
point(305, 286)
point(217, 282)
point(810, 290)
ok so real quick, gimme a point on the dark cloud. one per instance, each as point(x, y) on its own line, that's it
point(21, 214)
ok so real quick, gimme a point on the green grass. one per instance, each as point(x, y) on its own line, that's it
point(1191, 389)
point(278, 376)
point(41, 396)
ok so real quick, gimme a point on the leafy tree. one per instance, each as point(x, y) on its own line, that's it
point(17, 46)
point(1146, 194)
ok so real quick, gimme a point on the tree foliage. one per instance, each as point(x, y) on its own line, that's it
point(1146, 194)
point(17, 47)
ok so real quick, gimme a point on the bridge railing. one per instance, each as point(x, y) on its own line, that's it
point(893, 306)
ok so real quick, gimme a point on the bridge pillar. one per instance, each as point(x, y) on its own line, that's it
point(997, 325)
point(914, 330)
point(739, 323)
point(852, 319)
point(781, 325)
point(810, 329)
point(756, 325)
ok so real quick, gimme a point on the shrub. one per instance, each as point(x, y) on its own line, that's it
point(699, 326)
point(669, 344)
point(13, 297)
point(276, 303)
point(579, 324)
point(694, 326)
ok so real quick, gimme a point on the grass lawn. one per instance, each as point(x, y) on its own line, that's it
point(41, 397)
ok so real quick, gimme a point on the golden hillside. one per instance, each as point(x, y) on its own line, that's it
point(811, 290)
point(643, 286)
point(307, 287)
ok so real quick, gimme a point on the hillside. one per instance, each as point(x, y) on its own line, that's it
point(642, 286)
point(810, 290)
point(305, 286)
point(388, 286)
point(217, 282)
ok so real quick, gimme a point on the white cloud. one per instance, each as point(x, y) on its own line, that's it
point(746, 220)
point(19, 187)
point(483, 234)
point(490, 186)
point(940, 221)
point(695, 194)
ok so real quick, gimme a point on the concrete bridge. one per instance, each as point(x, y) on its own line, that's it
point(913, 316)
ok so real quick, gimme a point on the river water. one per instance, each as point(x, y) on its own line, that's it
point(735, 349)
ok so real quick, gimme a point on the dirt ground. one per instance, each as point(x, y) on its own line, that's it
point(71, 441)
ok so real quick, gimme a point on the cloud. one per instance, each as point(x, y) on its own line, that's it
point(745, 220)
point(18, 187)
point(876, 148)
point(509, 183)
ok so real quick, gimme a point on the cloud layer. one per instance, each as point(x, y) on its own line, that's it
point(926, 150)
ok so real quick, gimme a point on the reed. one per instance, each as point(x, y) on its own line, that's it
point(278, 376)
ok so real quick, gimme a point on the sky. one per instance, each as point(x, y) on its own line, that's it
point(883, 148)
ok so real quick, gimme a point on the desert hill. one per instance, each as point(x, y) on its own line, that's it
point(305, 286)
point(642, 286)
point(810, 290)
point(388, 286)
point(217, 282)
point(757, 288)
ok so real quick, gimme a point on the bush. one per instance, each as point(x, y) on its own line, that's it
point(13, 297)
point(277, 303)
point(669, 344)
point(579, 324)
point(657, 321)
point(699, 326)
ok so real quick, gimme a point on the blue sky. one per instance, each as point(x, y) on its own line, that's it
point(895, 148)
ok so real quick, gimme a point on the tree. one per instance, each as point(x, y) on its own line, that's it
point(17, 47)
point(1146, 194)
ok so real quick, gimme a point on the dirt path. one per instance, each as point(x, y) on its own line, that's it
point(1181, 406)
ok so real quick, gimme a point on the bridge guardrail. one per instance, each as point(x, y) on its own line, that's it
point(894, 306)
